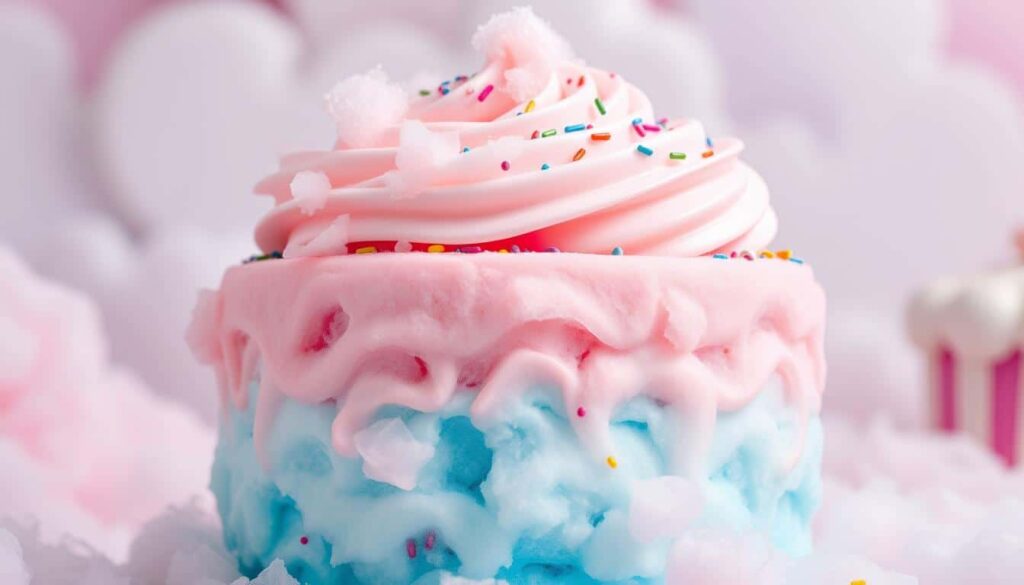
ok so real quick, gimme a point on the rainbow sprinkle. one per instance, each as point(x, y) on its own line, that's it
point(485, 92)
point(465, 149)
point(644, 150)
point(435, 248)
point(550, 132)
point(600, 106)
point(304, 540)
point(639, 128)
point(535, 135)
point(428, 542)
point(707, 154)
point(721, 256)
point(617, 251)
point(581, 412)
point(859, 582)
point(367, 250)
point(471, 249)
point(575, 128)
point(652, 128)
point(545, 167)
point(601, 136)
point(579, 154)
point(529, 106)
point(709, 142)
point(505, 165)
point(424, 92)
point(677, 155)
point(612, 462)
point(410, 548)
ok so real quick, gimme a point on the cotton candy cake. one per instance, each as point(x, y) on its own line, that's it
point(512, 327)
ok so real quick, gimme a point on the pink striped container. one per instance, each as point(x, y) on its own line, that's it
point(973, 333)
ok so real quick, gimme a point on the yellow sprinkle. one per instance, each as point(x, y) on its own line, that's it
point(435, 248)
point(612, 462)
point(859, 582)
point(767, 254)
point(529, 107)
point(503, 251)
point(367, 250)
point(784, 254)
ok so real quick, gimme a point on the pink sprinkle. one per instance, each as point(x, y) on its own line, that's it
point(410, 548)
point(581, 412)
point(505, 165)
point(429, 541)
point(652, 128)
point(485, 92)
point(590, 126)
point(639, 130)
point(304, 540)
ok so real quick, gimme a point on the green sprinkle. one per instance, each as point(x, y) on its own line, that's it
point(600, 106)
point(677, 155)
point(424, 92)
point(547, 133)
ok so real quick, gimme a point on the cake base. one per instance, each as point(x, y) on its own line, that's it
point(535, 418)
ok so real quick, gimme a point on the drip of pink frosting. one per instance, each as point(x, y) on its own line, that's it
point(414, 183)
point(415, 330)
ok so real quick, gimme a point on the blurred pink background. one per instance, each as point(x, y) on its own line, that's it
point(131, 131)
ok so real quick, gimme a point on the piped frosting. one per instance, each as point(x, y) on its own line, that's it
point(536, 150)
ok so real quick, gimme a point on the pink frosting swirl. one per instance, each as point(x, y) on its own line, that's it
point(472, 165)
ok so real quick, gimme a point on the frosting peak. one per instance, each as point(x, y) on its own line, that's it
point(535, 150)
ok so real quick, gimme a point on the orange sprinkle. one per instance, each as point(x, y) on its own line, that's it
point(601, 136)
point(580, 82)
point(612, 462)
point(708, 153)
point(579, 154)
point(784, 254)
point(435, 248)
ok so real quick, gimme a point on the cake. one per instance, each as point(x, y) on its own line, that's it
point(972, 331)
point(512, 328)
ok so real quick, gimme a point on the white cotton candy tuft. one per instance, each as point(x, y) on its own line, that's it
point(527, 46)
point(663, 507)
point(421, 153)
point(364, 106)
point(310, 189)
point(391, 454)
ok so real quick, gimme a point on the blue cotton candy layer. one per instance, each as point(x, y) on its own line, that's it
point(521, 501)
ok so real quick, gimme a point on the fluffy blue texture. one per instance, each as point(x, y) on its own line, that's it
point(521, 501)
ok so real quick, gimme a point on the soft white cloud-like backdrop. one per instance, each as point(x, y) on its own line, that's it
point(888, 164)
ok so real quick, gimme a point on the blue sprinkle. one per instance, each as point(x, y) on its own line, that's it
point(637, 121)
point(545, 167)
point(465, 149)
point(575, 128)
point(721, 256)
point(553, 249)
point(709, 142)
point(644, 150)
point(796, 260)
point(514, 249)
point(445, 91)
point(617, 251)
